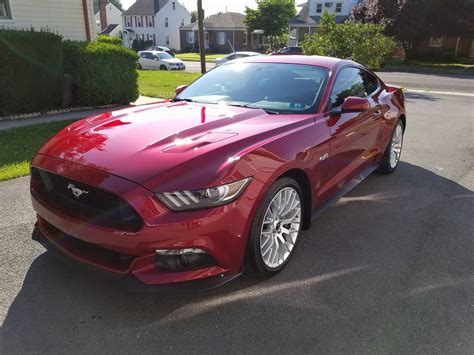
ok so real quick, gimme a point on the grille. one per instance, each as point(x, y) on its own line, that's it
point(95, 206)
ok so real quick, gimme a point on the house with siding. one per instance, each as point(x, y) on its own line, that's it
point(157, 21)
point(108, 18)
point(309, 17)
point(73, 19)
point(222, 33)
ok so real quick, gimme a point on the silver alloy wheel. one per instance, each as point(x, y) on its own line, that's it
point(280, 228)
point(396, 146)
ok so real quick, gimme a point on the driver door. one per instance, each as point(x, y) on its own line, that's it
point(353, 134)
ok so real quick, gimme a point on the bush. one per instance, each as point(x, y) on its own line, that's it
point(31, 71)
point(141, 45)
point(109, 39)
point(103, 73)
point(362, 42)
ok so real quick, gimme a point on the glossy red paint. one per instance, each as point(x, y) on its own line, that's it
point(137, 152)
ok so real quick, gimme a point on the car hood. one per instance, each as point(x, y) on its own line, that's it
point(165, 141)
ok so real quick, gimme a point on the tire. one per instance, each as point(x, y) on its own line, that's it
point(139, 67)
point(259, 260)
point(163, 67)
point(392, 153)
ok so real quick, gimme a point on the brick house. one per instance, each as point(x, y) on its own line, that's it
point(445, 48)
point(222, 32)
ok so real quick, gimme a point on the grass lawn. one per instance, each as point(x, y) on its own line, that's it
point(162, 84)
point(467, 68)
point(19, 145)
point(194, 57)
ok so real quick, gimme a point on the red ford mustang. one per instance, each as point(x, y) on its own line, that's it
point(190, 193)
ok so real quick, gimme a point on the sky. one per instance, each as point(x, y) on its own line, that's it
point(210, 6)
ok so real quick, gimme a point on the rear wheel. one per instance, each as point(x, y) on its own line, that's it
point(393, 152)
point(163, 67)
point(275, 229)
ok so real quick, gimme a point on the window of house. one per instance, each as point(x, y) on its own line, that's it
point(182, 22)
point(328, 4)
point(436, 41)
point(150, 21)
point(319, 8)
point(221, 38)
point(166, 22)
point(206, 36)
point(190, 37)
point(5, 12)
point(339, 7)
point(174, 5)
point(167, 40)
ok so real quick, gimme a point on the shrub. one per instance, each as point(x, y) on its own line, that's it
point(103, 73)
point(362, 42)
point(109, 39)
point(31, 71)
point(141, 45)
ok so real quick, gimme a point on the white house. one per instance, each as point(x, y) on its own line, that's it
point(108, 18)
point(73, 19)
point(309, 17)
point(157, 21)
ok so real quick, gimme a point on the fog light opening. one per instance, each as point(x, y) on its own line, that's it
point(178, 260)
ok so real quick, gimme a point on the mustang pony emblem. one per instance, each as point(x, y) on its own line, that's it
point(77, 192)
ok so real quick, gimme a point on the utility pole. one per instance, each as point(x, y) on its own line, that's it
point(202, 50)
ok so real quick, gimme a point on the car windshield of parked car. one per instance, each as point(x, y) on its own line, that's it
point(165, 56)
point(275, 87)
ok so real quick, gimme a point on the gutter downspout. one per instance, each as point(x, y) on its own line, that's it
point(86, 20)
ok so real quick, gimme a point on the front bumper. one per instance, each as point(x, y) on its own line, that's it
point(129, 282)
point(221, 232)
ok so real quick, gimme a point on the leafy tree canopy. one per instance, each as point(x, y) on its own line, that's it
point(117, 3)
point(362, 42)
point(271, 16)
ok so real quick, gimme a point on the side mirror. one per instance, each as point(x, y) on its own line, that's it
point(355, 104)
point(180, 89)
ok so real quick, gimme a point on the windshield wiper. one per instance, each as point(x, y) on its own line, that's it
point(180, 99)
point(270, 112)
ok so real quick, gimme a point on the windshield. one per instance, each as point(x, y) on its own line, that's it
point(165, 56)
point(280, 88)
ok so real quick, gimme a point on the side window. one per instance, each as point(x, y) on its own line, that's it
point(371, 83)
point(231, 57)
point(349, 82)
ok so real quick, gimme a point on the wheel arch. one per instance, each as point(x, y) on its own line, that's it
point(300, 176)
point(403, 119)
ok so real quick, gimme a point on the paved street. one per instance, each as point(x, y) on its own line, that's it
point(388, 269)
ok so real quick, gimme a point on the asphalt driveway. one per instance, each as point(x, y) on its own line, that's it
point(388, 269)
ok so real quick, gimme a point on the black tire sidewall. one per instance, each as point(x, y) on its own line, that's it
point(254, 264)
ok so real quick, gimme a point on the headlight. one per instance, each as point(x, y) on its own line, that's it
point(205, 198)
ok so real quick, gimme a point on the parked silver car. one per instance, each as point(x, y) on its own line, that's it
point(156, 60)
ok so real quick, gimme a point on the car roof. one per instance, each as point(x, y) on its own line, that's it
point(320, 61)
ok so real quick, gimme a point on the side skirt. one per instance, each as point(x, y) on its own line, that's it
point(344, 191)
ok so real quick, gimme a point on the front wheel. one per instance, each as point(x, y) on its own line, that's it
point(275, 229)
point(163, 67)
point(392, 154)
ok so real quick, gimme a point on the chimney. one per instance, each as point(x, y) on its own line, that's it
point(157, 6)
point(103, 13)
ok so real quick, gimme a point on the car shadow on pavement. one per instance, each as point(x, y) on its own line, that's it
point(411, 96)
point(388, 269)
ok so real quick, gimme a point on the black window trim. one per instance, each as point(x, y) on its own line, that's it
point(379, 85)
point(9, 15)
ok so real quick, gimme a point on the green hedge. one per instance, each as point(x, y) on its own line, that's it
point(109, 40)
point(103, 73)
point(31, 71)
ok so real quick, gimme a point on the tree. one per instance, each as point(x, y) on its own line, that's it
point(362, 42)
point(271, 16)
point(117, 3)
point(194, 16)
point(410, 21)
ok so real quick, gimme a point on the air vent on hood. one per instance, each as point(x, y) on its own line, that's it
point(187, 144)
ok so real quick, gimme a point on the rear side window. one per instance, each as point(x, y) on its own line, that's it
point(349, 82)
point(371, 83)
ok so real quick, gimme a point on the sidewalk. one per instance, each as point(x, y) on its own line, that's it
point(71, 115)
